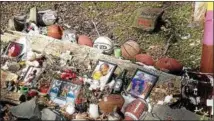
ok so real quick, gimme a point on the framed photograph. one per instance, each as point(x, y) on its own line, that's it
point(14, 49)
point(62, 91)
point(142, 83)
point(32, 75)
point(103, 70)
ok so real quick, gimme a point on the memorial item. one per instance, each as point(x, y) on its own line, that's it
point(62, 92)
point(130, 49)
point(103, 71)
point(93, 111)
point(147, 18)
point(85, 40)
point(33, 15)
point(136, 109)
point(142, 84)
point(145, 59)
point(17, 23)
point(117, 52)
point(120, 81)
point(47, 17)
point(69, 35)
point(169, 65)
point(108, 103)
point(105, 44)
point(55, 31)
point(30, 77)
point(14, 49)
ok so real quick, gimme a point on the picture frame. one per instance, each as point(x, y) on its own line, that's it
point(31, 75)
point(103, 70)
point(142, 83)
point(62, 92)
point(10, 48)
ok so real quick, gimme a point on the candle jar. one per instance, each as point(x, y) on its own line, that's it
point(24, 90)
point(93, 111)
point(117, 52)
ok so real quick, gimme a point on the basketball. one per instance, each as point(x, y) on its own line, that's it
point(169, 65)
point(108, 103)
point(145, 59)
point(85, 40)
point(130, 49)
point(55, 31)
point(105, 44)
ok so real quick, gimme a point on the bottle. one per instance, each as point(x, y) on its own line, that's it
point(118, 86)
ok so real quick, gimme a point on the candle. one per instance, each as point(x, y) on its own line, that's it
point(117, 52)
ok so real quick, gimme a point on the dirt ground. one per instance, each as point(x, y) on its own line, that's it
point(115, 19)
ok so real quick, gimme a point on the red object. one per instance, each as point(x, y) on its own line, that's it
point(44, 90)
point(14, 50)
point(135, 109)
point(68, 74)
point(145, 22)
point(32, 93)
point(85, 40)
point(78, 101)
point(55, 31)
point(169, 65)
point(130, 49)
point(144, 58)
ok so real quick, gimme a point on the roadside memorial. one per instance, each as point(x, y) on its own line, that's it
point(78, 78)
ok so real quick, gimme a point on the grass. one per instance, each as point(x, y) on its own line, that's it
point(187, 51)
point(118, 18)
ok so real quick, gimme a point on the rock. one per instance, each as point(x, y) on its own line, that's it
point(47, 114)
point(164, 112)
point(26, 110)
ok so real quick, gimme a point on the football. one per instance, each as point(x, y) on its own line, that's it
point(169, 65)
point(107, 104)
point(136, 109)
point(145, 59)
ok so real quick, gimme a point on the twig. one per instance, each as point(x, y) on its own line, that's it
point(167, 45)
point(95, 27)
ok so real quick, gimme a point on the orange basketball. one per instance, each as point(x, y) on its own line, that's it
point(145, 59)
point(85, 40)
point(55, 31)
point(130, 49)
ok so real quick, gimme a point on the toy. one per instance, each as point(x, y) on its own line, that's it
point(136, 109)
point(108, 103)
point(55, 31)
point(169, 65)
point(105, 44)
point(145, 59)
point(130, 49)
point(85, 40)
